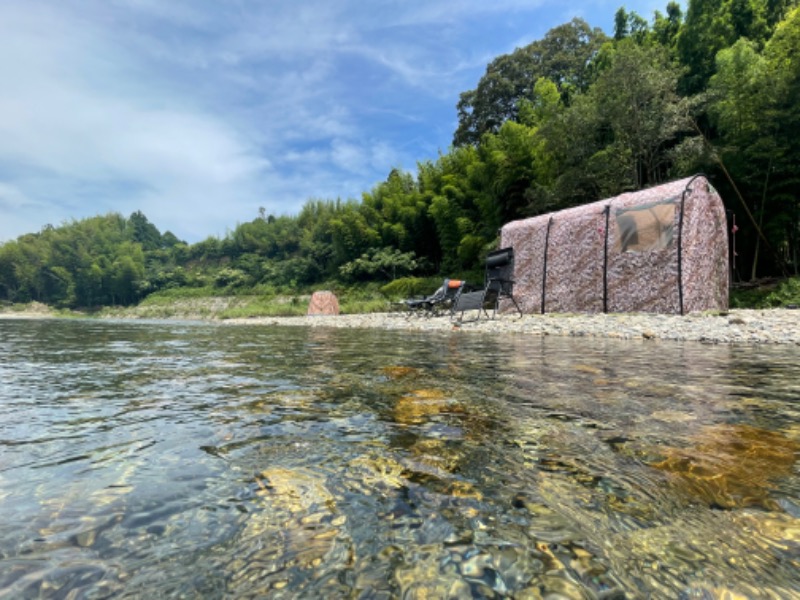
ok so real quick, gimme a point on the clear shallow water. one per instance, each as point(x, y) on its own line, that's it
point(192, 460)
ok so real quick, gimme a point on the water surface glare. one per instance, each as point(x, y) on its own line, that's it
point(204, 461)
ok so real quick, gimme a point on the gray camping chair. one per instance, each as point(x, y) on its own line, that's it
point(439, 301)
point(499, 284)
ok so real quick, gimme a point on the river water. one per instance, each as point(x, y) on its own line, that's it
point(192, 460)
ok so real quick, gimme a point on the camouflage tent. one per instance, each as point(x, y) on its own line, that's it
point(662, 250)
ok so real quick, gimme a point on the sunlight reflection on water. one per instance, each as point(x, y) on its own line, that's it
point(194, 460)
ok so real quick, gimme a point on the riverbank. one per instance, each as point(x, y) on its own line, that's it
point(769, 326)
point(773, 326)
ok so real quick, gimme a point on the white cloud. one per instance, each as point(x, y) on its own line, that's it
point(72, 117)
point(350, 157)
point(12, 198)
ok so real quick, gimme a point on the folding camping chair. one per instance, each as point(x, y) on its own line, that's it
point(440, 300)
point(499, 284)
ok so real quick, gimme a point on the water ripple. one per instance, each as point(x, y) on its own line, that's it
point(189, 460)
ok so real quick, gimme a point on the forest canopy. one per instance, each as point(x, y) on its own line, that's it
point(574, 117)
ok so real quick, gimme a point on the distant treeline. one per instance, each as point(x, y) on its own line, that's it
point(571, 118)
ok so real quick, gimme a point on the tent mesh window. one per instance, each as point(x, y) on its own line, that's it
point(646, 228)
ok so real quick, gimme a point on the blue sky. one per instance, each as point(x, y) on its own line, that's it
point(199, 112)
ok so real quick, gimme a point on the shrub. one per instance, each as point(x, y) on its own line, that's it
point(170, 295)
point(786, 294)
point(772, 295)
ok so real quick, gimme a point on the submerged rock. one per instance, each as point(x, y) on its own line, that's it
point(396, 372)
point(732, 465)
point(295, 541)
point(415, 407)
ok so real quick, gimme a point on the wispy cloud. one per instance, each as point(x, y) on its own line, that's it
point(84, 117)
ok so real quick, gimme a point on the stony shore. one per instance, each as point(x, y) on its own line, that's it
point(773, 326)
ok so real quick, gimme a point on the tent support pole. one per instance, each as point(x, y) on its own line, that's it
point(544, 266)
point(686, 190)
point(606, 210)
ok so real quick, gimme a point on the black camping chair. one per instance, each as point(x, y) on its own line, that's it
point(499, 284)
point(439, 301)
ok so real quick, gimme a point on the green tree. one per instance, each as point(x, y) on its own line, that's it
point(564, 57)
point(452, 206)
point(29, 271)
point(59, 287)
point(10, 257)
point(351, 233)
point(736, 92)
point(511, 163)
point(620, 24)
point(783, 113)
point(757, 141)
point(140, 230)
point(90, 287)
point(666, 28)
point(638, 100)
point(397, 210)
point(316, 239)
point(386, 262)
point(711, 26)
point(127, 273)
point(777, 10)
point(170, 240)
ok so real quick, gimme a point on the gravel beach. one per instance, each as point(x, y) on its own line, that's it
point(774, 326)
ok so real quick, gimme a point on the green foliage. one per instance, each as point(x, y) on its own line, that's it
point(629, 25)
point(267, 307)
point(231, 278)
point(139, 229)
point(666, 28)
point(363, 306)
point(170, 295)
point(785, 293)
point(712, 26)
point(362, 299)
point(737, 90)
point(753, 104)
point(564, 57)
point(385, 262)
point(748, 298)
point(636, 97)
point(351, 233)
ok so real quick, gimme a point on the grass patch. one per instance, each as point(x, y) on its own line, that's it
point(35, 309)
point(767, 294)
point(279, 306)
point(361, 299)
point(786, 294)
point(180, 293)
point(66, 313)
point(364, 305)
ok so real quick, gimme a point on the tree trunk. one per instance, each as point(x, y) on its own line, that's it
point(761, 221)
